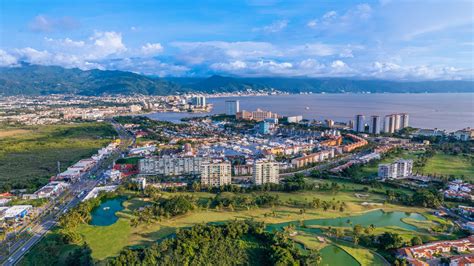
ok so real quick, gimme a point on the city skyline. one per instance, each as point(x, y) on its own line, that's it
point(364, 39)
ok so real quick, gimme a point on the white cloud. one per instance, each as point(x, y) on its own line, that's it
point(7, 59)
point(152, 48)
point(147, 66)
point(328, 16)
point(333, 21)
point(274, 27)
point(389, 70)
point(70, 53)
point(307, 67)
point(106, 43)
point(68, 43)
point(213, 51)
point(42, 23)
point(312, 23)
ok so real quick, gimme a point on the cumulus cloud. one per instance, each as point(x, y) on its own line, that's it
point(84, 54)
point(42, 23)
point(200, 52)
point(7, 59)
point(216, 51)
point(147, 66)
point(67, 42)
point(106, 43)
point(307, 67)
point(389, 70)
point(152, 48)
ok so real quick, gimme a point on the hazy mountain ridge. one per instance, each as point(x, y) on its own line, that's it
point(44, 80)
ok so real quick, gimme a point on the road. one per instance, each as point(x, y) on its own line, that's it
point(44, 224)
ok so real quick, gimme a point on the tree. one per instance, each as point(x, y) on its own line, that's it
point(390, 240)
point(416, 240)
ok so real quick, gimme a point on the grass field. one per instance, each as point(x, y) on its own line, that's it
point(444, 164)
point(371, 169)
point(362, 255)
point(13, 132)
point(29, 157)
point(439, 164)
point(107, 241)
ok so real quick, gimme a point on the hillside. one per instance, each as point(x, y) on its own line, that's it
point(44, 80)
point(318, 85)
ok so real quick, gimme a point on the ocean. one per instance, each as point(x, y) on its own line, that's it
point(449, 111)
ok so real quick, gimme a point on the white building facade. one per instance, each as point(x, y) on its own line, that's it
point(265, 172)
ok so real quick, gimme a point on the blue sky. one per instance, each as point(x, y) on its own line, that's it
point(399, 40)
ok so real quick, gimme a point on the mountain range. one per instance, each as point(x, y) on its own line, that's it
point(44, 80)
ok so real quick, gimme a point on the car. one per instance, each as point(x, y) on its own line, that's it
point(23, 249)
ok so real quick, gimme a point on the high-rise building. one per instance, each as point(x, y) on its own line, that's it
point(359, 124)
point(404, 168)
point(265, 172)
point(258, 115)
point(199, 101)
point(389, 124)
point(387, 170)
point(398, 121)
point(232, 107)
point(329, 123)
point(216, 174)
point(405, 120)
point(374, 125)
point(170, 166)
point(395, 122)
point(264, 127)
point(399, 169)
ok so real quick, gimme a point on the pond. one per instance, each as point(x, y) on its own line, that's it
point(378, 218)
point(333, 255)
point(104, 214)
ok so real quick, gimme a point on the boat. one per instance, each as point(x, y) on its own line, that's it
point(106, 208)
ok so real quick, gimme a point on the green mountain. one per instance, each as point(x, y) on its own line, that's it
point(318, 85)
point(44, 80)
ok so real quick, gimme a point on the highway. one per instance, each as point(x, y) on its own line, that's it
point(44, 223)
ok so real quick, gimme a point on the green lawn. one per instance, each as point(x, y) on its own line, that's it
point(439, 164)
point(106, 241)
point(444, 164)
point(371, 169)
point(363, 255)
point(28, 160)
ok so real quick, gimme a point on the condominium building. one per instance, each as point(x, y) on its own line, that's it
point(199, 101)
point(404, 168)
point(399, 169)
point(216, 174)
point(171, 166)
point(387, 170)
point(359, 124)
point(313, 158)
point(395, 122)
point(405, 119)
point(389, 124)
point(258, 115)
point(374, 125)
point(265, 172)
point(232, 107)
